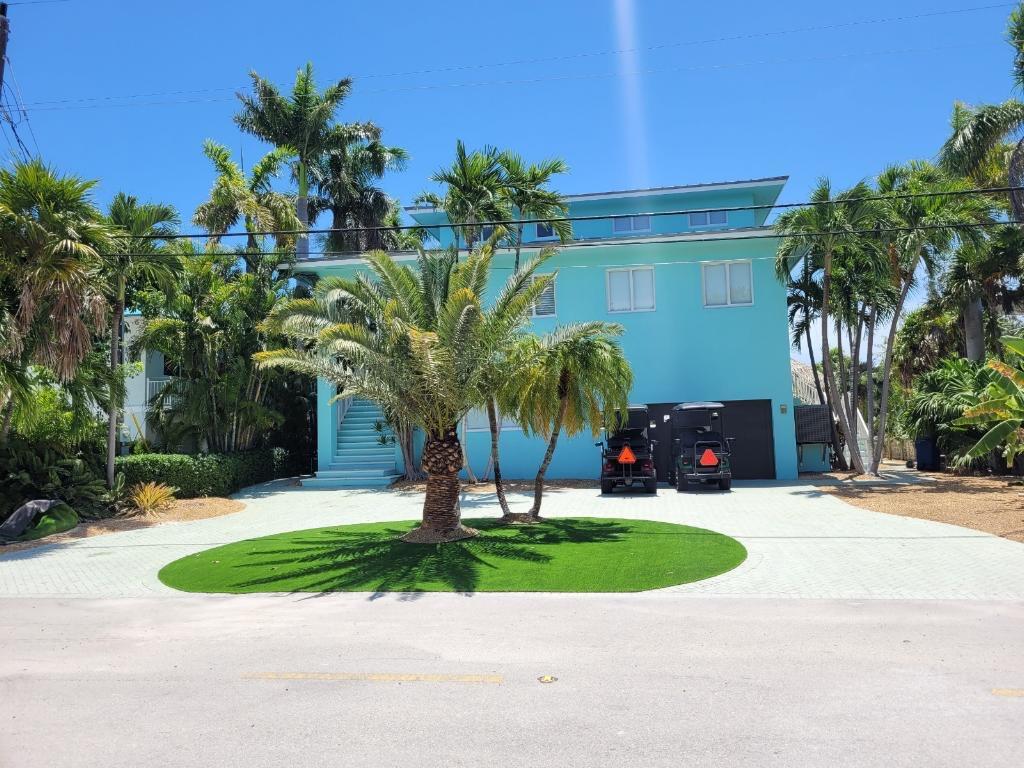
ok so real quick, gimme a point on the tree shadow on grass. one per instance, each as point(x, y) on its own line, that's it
point(333, 560)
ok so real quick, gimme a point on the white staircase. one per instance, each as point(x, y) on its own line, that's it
point(360, 459)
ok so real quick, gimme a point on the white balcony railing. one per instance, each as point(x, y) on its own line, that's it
point(154, 387)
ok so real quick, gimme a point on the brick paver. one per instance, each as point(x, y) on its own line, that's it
point(801, 543)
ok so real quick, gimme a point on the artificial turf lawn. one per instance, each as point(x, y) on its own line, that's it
point(559, 555)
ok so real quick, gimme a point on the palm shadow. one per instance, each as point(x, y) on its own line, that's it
point(336, 560)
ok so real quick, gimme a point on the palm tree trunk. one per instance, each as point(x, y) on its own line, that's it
point(404, 434)
point(499, 489)
point(519, 245)
point(869, 366)
point(470, 476)
point(442, 460)
point(113, 406)
point(883, 405)
point(5, 422)
point(826, 361)
point(974, 330)
point(814, 367)
point(302, 212)
point(538, 483)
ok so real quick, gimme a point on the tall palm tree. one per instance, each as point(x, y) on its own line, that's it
point(412, 341)
point(251, 200)
point(302, 123)
point(980, 134)
point(580, 379)
point(345, 179)
point(474, 192)
point(803, 297)
point(526, 190)
point(137, 259)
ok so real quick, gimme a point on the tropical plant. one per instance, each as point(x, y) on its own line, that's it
point(1001, 409)
point(580, 378)
point(411, 340)
point(475, 192)
point(252, 200)
point(803, 298)
point(939, 398)
point(302, 124)
point(149, 498)
point(527, 193)
point(137, 259)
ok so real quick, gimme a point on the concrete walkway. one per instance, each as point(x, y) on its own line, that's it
point(802, 543)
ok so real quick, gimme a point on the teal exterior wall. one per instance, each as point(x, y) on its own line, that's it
point(680, 351)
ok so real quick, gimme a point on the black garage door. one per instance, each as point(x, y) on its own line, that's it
point(749, 421)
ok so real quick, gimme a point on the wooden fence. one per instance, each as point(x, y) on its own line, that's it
point(899, 450)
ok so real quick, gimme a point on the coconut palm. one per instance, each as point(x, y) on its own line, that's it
point(303, 123)
point(527, 193)
point(136, 259)
point(580, 378)
point(412, 340)
point(474, 192)
point(345, 179)
point(251, 200)
point(978, 143)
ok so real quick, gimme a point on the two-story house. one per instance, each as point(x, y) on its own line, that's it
point(703, 312)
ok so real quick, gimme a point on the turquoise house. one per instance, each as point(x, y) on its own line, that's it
point(704, 318)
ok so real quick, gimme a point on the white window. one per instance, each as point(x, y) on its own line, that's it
point(545, 304)
point(476, 421)
point(631, 290)
point(545, 230)
point(709, 219)
point(626, 224)
point(728, 284)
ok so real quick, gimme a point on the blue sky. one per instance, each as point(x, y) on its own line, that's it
point(536, 76)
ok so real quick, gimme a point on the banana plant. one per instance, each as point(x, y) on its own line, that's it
point(1002, 407)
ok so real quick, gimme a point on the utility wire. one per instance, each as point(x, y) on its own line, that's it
point(566, 57)
point(590, 217)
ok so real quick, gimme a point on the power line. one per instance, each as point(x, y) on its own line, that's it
point(590, 217)
point(553, 59)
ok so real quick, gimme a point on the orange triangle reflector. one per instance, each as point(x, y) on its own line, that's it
point(708, 458)
point(626, 456)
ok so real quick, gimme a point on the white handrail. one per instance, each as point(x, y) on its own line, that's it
point(343, 406)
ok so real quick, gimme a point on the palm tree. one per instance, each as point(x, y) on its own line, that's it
point(803, 297)
point(580, 379)
point(344, 178)
point(412, 341)
point(303, 124)
point(137, 259)
point(978, 141)
point(526, 191)
point(251, 200)
point(475, 192)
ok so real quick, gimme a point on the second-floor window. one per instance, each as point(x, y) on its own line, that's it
point(627, 224)
point(709, 219)
point(631, 290)
point(545, 230)
point(545, 304)
point(485, 233)
point(728, 284)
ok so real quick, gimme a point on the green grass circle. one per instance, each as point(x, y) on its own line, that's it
point(559, 555)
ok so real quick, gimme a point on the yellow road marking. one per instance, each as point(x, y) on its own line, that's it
point(1016, 693)
point(376, 677)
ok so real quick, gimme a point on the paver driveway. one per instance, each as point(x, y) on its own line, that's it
point(801, 543)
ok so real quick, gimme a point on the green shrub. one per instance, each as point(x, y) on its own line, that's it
point(31, 470)
point(58, 519)
point(204, 474)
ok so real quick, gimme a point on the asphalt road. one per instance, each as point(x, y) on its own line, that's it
point(445, 680)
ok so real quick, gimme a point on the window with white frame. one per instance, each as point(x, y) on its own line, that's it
point(477, 421)
point(728, 284)
point(631, 289)
point(623, 225)
point(545, 304)
point(545, 230)
point(709, 219)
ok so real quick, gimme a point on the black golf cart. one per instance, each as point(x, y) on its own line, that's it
point(700, 454)
point(627, 456)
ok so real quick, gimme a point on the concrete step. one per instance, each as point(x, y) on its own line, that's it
point(359, 473)
point(334, 482)
point(367, 441)
point(387, 463)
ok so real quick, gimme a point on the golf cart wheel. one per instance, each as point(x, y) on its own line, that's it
point(725, 484)
point(607, 487)
point(682, 486)
point(651, 486)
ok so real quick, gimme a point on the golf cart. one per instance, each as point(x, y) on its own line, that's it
point(700, 454)
point(627, 456)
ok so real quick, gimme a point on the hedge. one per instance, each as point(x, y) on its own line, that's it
point(204, 474)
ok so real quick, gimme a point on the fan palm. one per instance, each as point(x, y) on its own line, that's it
point(474, 192)
point(526, 191)
point(412, 340)
point(137, 259)
point(252, 200)
point(580, 378)
point(302, 123)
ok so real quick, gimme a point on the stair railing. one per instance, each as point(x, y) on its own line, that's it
point(343, 406)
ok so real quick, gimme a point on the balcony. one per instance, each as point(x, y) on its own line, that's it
point(154, 387)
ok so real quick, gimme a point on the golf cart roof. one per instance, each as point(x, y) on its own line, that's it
point(637, 408)
point(702, 405)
